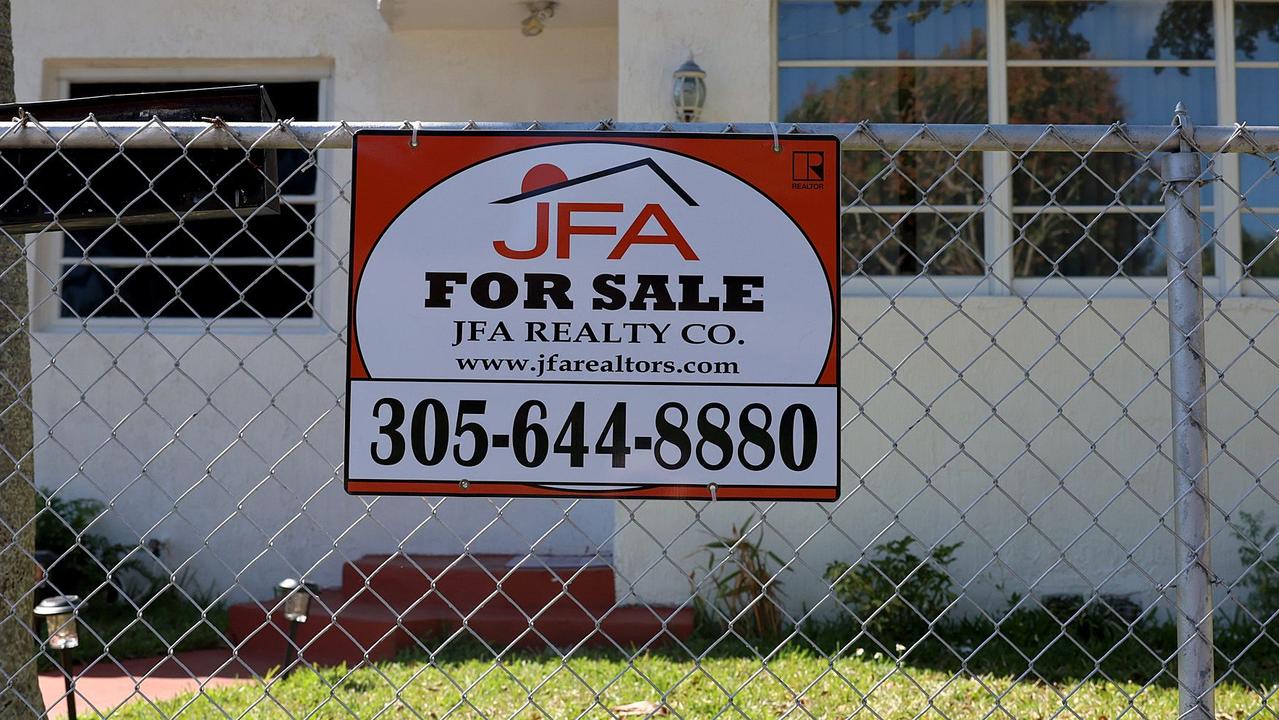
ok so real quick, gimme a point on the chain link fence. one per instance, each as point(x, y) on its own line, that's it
point(1052, 336)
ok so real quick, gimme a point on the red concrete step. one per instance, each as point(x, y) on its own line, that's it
point(338, 629)
point(463, 584)
point(422, 600)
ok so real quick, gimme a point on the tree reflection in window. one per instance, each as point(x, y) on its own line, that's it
point(1062, 241)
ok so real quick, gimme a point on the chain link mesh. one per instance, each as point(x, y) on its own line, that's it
point(1005, 545)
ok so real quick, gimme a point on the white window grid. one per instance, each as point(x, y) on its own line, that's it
point(998, 231)
point(48, 254)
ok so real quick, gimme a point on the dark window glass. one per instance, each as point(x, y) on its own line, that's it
point(258, 265)
point(834, 30)
point(1258, 105)
point(909, 178)
point(1256, 31)
point(1103, 95)
point(292, 100)
point(1260, 244)
point(1097, 245)
point(285, 235)
point(901, 94)
point(900, 243)
point(1257, 38)
point(913, 243)
point(1057, 242)
point(183, 291)
point(1063, 178)
point(1110, 30)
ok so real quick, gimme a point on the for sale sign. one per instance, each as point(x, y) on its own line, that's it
point(602, 315)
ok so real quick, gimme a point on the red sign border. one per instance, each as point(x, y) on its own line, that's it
point(366, 232)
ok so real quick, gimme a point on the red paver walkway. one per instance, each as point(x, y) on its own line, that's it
point(107, 685)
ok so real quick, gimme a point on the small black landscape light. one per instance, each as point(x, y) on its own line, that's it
point(60, 613)
point(295, 602)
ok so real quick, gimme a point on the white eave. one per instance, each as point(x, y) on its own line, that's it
point(491, 14)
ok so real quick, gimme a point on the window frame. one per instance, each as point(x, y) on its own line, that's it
point(999, 233)
point(48, 247)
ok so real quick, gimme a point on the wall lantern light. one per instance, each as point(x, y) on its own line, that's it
point(538, 13)
point(59, 613)
point(295, 602)
point(690, 91)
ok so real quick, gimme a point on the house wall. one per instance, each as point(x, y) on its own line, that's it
point(227, 490)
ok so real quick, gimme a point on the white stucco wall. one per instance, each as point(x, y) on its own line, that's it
point(730, 39)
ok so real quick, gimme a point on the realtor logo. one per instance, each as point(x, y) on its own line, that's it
point(807, 166)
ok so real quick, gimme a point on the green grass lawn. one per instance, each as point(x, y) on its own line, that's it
point(792, 684)
point(1027, 666)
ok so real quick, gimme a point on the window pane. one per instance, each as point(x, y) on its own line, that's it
point(914, 243)
point(1260, 247)
point(295, 100)
point(148, 185)
point(1097, 179)
point(156, 289)
point(1086, 95)
point(1110, 30)
point(935, 94)
point(151, 291)
point(909, 178)
point(287, 234)
point(1259, 105)
point(1256, 31)
point(830, 29)
point(1259, 180)
point(1097, 245)
point(1258, 101)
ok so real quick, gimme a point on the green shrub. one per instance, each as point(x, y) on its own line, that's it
point(905, 592)
point(747, 589)
point(1261, 564)
point(155, 616)
point(168, 620)
point(82, 560)
point(1098, 621)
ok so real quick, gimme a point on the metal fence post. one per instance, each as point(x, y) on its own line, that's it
point(1189, 416)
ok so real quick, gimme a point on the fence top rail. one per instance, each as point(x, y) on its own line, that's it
point(29, 132)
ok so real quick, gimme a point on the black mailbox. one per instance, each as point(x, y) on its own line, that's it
point(91, 188)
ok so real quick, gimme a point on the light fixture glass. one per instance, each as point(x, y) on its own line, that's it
point(690, 91)
point(297, 598)
point(60, 615)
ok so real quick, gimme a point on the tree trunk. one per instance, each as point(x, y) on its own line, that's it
point(20, 690)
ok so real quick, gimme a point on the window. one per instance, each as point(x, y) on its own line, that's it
point(897, 62)
point(1061, 61)
point(263, 266)
point(1101, 62)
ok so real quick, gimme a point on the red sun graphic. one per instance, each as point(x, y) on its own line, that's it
point(540, 176)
